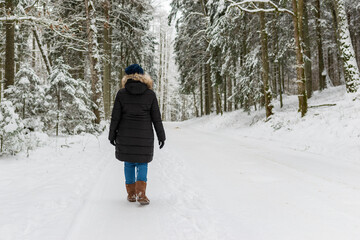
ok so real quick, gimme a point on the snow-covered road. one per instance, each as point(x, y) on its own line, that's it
point(214, 185)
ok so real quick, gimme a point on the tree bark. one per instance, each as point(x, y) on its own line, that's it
point(58, 95)
point(307, 52)
point(107, 59)
point(230, 93)
point(339, 71)
point(265, 64)
point(218, 100)
point(201, 94)
point(298, 9)
point(1, 78)
point(351, 70)
point(277, 69)
point(42, 51)
point(322, 76)
point(160, 78)
point(225, 93)
point(33, 51)
point(195, 104)
point(165, 101)
point(9, 46)
point(93, 59)
point(207, 89)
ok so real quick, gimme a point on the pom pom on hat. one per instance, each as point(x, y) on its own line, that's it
point(134, 68)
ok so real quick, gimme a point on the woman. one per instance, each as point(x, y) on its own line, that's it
point(135, 110)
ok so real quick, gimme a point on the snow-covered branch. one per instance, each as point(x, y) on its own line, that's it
point(194, 14)
point(250, 7)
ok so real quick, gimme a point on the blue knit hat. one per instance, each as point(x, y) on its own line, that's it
point(134, 68)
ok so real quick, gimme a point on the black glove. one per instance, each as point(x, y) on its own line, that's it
point(113, 142)
point(161, 144)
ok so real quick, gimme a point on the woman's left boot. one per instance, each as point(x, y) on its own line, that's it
point(130, 188)
point(140, 193)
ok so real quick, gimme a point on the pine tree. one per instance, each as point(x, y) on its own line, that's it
point(10, 45)
point(68, 102)
point(28, 96)
point(11, 129)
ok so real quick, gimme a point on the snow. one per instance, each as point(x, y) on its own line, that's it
point(41, 194)
point(11, 127)
point(218, 177)
point(324, 130)
point(24, 81)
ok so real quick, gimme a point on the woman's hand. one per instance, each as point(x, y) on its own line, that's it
point(161, 144)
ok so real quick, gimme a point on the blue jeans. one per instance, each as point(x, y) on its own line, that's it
point(141, 172)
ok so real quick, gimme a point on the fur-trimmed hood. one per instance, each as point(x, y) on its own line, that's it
point(144, 78)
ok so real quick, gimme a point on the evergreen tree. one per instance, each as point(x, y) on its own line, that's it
point(69, 103)
point(28, 96)
point(11, 129)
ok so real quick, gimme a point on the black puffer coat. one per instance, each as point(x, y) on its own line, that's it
point(135, 110)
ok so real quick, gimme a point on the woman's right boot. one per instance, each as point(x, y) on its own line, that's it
point(140, 193)
point(130, 188)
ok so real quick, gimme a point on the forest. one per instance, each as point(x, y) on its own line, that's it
point(245, 54)
point(61, 62)
point(248, 128)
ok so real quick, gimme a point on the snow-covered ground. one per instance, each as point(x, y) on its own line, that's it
point(229, 177)
point(40, 195)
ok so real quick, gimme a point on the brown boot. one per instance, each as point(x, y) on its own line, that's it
point(130, 188)
point(140, 193)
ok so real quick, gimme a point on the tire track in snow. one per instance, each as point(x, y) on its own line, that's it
point(189, 212)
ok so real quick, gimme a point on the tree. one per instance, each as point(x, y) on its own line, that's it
point(28, 97)
point(68, 102)
point(107, 59)
point(265, 64)
point(11, 129)
point(10, 45)
point(351, 70)
point(191, 45)
point(297, 14)
point(94, 58)
point(307, 52)
point(321, 74)
point(298, 8)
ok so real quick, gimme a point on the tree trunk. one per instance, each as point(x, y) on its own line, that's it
point(351, 70)
point(195, 104)
point(230, 93)
point(307, 52)
point(33, 51)
point(298, 9)
point(165, 101)
point(339, 71)
point(1, 77)
point(207, 89)
point(322, 76)
point(58, 95)
point(93, 59)
point(201, 94)
point(282, 75)
point(280, 88)
point(160, 68)
point(42, 51)
point(265, 64)
point(107, 60)
point(225, 93)
point(9, 46)
point(218, 100)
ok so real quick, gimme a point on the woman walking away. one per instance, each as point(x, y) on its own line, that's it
point(135, 110)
